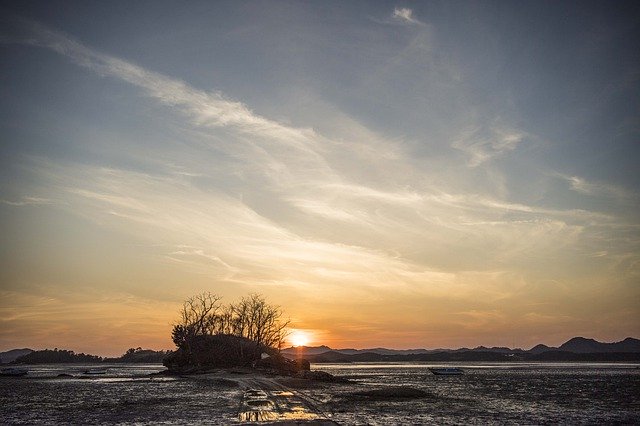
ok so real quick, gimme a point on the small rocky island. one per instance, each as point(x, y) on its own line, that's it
point(245, 335)
point(210, 352)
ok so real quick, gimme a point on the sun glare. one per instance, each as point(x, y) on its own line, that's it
point(299, 338)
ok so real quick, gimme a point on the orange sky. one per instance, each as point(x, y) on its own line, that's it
point(385, 177)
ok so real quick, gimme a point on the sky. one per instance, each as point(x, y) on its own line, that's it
point(399, 174)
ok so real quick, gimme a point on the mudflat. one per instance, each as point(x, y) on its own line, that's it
point(528, 393)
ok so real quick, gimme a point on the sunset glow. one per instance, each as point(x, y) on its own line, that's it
point(390, 175)
point(299, 338)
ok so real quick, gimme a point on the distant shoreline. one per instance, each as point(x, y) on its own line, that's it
point(577, 349)
point(471, 356)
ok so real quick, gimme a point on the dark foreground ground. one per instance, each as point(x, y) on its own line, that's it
point(377, 394)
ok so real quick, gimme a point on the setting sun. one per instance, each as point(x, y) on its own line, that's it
point(299, 338)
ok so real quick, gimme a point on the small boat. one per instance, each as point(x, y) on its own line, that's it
point(447, 371)
point(96, 371)
point(14, 372)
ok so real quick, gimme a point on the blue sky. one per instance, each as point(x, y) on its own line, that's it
point(401, 174)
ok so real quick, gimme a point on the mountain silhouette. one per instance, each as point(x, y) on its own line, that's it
point(578, 345)
point(13, 354)
point(584, 345)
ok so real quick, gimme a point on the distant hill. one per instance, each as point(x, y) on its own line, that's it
point(305, 350)
point(316, 350)
point(576, 345)
point(141, 356)
point(385, 351)
point(575, 349)
point(583, 345)
point(475, 356)
point(13, 354)
point(538, 349)
point(56, 356)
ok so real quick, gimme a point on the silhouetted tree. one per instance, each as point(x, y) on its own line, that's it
point(252, 318)
point(198, 316)
point(259, 321)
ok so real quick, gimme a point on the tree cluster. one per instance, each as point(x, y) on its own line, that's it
point(48, 356)
point(140, 356)
point(251, 318)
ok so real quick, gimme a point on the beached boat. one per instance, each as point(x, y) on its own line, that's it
point(96, 371)
point(13, 371)
point(447, 371)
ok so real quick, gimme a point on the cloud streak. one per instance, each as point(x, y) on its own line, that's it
point(204, 109)
point(583, 186)
point(248, 202)
point(405, 15)
point(484, 145)
point(28, 201)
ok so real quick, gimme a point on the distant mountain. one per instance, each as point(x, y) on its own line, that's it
point(495, 349)
point(305, 350)
point(625, 351)
point(13, 354)
point(584, 345)
point(577, 345)
point(476, 356)
point(316, 350)
point(538, 349)
point(577, 349)
point(385, 351)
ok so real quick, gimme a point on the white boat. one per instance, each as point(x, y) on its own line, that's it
point(446, 371)
point(14, 371)
point(96, 371)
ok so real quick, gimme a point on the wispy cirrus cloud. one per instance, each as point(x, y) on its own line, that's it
point(482, 145)
point(28, 201)
point(405, 15)
point(288, 207)
point(586, 187)
point(206, 109)
point(299, 168)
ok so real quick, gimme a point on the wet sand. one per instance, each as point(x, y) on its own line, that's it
point(376, 395)
point(221, 397)
point(267, 400)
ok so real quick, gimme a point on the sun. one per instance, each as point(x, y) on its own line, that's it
point(299, 338)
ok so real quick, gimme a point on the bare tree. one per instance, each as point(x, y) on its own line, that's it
point(261, 322)
point(198, 316)
point(252, 318)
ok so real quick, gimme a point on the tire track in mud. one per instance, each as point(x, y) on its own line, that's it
point(267, 401)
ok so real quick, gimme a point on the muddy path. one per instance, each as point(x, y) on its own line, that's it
point(266, 401)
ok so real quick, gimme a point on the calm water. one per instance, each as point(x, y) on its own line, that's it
point(485, 394)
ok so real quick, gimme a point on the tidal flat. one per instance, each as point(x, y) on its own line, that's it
point(386, 393)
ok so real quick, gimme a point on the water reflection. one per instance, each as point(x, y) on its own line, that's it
point(257, 416)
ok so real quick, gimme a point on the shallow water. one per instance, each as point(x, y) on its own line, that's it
point(518, 393)
point(125, 394)
point(522, 393)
